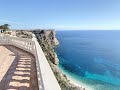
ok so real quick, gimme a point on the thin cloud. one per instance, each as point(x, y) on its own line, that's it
point(8, 21)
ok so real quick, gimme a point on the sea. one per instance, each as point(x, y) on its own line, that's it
point(90, 57)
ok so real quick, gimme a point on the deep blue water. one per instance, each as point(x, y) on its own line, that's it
point(92, 56)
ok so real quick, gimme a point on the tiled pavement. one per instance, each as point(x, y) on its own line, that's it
point(17, 69)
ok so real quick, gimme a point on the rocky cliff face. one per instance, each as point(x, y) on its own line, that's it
point(48, 41)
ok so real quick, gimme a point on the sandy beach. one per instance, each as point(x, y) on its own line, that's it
point(75, 82)
point(79, 84)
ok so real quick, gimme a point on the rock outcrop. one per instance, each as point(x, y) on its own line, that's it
point(24, 33)
point(48, 41)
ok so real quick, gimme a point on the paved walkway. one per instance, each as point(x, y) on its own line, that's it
point(17, 69)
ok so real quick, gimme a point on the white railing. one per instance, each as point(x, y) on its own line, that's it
point(46, 78)
point(22, 43)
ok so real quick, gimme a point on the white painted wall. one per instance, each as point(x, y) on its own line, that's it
point(49, 80)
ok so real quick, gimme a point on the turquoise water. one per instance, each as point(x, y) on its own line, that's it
point(92, 57)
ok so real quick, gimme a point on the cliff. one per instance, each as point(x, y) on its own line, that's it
point(48, 41)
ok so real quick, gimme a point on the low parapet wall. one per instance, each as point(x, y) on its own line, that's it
point(22, 43)
point(46, 78)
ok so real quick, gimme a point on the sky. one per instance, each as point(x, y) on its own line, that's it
point(61, 14)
